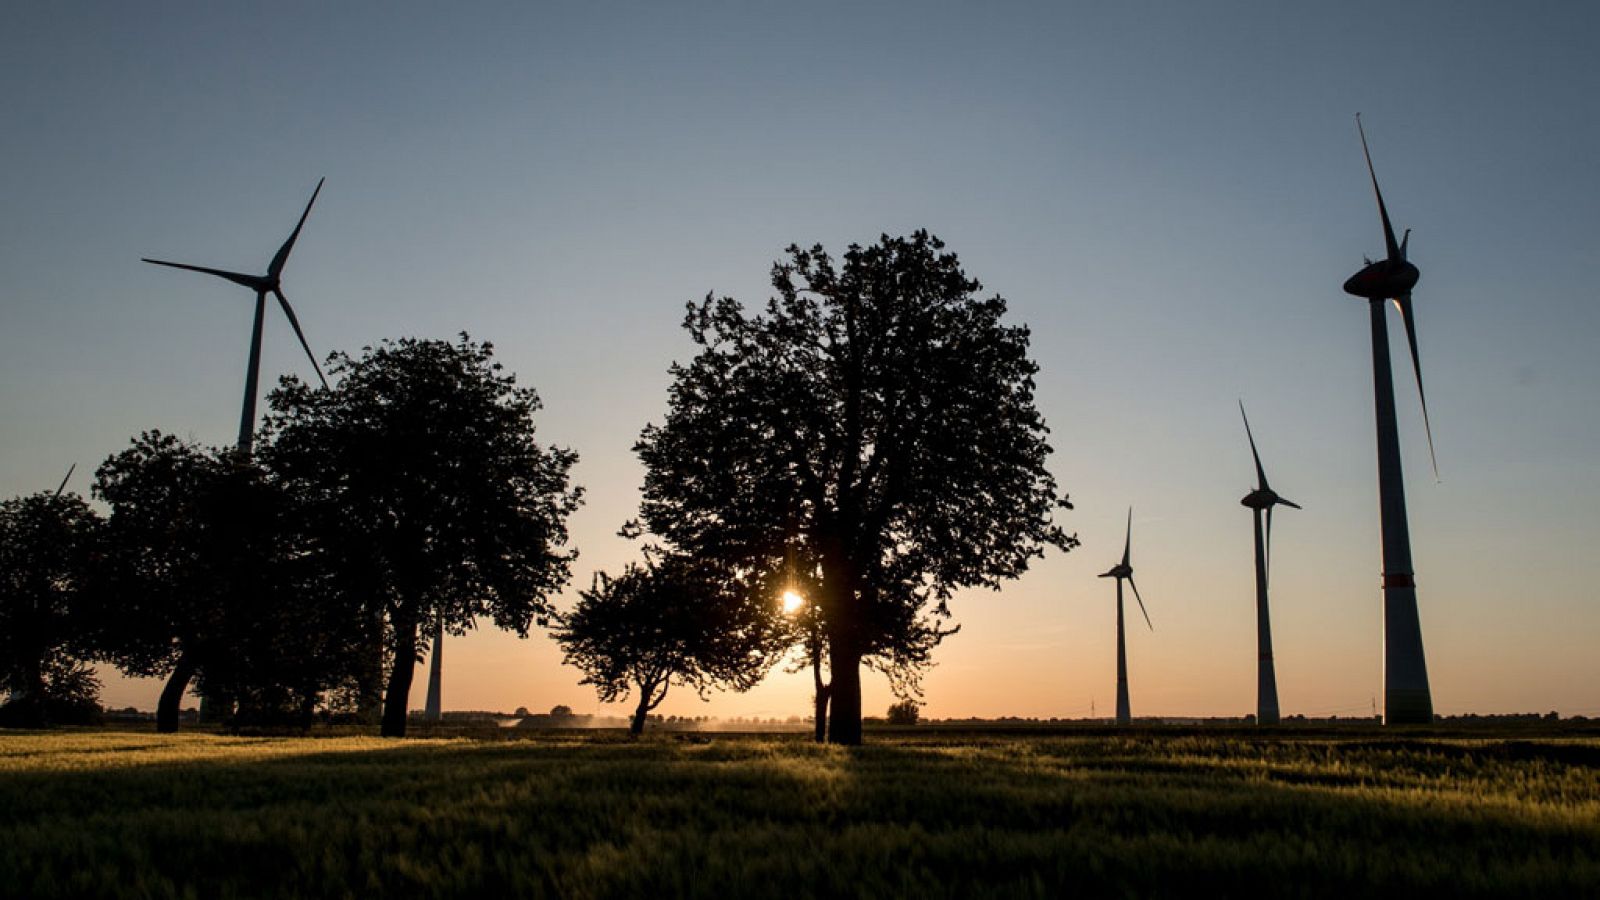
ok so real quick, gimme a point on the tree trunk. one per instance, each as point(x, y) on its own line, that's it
point(398, 697)
point(27, 706)
point(844, 720)
point(822, 711)
point(369, 681)
point(636, 727)
point(648, 700)
point(842, 622)
point(820, 692)
point(168, 707)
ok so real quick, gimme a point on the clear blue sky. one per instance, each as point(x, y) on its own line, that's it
point(1169, 194)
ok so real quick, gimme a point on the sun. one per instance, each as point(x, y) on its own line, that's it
point(792, 602)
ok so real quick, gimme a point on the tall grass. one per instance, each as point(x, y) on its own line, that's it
point(139, 815)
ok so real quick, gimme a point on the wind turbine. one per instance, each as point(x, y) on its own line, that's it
point(1406, 697)
point(1120, 571)
point(1262, 500)
point(270, 283)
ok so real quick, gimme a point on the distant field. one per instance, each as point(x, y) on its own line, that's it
point(918, 814)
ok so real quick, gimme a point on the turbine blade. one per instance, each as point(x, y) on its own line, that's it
point(1141, 603)
point(1260, 472)
point(295, 322)
point(63, 486)
point(1127, 543)
point(252, 282)
point(1409, 316)
point(276, 268)
point(1389, 243)
point(1287, 502)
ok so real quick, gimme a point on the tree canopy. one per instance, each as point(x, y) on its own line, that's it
point(431, 491)
point(874, 427)
point(203, 576)
point(47, 545)
point(165, 585)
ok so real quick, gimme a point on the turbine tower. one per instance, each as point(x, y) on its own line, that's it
point(1262, 500)
point(433, 710)
point(270, 283)
point(1406, 697)
point(1120, 571)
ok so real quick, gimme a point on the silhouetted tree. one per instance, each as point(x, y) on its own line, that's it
point(561, 711)
point(671, 621)
point(905, 712)
point(293, 637)
point(434, 494)
point(881, 415)
point(194, 558)
point(47, 542)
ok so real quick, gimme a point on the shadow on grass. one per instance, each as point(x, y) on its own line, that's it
point(594, 816)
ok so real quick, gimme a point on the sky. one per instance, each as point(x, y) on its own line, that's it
point(1168, 194)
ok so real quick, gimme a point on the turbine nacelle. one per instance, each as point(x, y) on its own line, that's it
point(1265, 498)
point(1383, 280)
point(1118, 571)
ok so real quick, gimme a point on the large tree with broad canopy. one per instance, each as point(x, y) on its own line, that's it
point(871, 433)
point(434, 494)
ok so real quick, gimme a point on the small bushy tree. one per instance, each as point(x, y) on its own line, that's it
point(673, 620)
point(47, 545)
point(905, 712)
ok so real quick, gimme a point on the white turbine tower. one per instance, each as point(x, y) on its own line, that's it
point(1406, 696)
point(1262, 500)
point(1121, 571)
point(433, 709)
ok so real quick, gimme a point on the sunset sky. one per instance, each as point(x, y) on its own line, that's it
point(1169, 194)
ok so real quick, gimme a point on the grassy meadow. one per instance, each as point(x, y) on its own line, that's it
point(921, 813)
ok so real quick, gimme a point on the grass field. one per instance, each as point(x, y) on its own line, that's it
point(921, 814)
